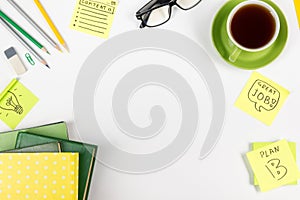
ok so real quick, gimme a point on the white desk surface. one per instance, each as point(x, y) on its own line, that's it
point(223, 174)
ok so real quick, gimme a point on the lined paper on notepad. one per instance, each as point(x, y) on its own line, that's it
point(94, 17)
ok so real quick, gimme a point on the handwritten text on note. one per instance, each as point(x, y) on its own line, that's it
point(94, 17)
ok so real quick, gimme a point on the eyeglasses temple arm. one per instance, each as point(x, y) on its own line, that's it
point(146, 7)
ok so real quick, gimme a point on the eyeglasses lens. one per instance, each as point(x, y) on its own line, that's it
point(157, 16)
point(186, 4)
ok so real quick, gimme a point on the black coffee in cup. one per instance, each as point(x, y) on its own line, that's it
point(253, 26)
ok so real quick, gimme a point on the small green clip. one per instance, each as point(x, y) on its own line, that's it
point(30, 60)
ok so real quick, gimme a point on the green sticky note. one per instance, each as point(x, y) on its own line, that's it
point(257, 145)
point(15, 103)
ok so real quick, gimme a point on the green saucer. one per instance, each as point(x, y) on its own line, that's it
point(246, 60)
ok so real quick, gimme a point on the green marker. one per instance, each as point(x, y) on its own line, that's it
point(21, 30)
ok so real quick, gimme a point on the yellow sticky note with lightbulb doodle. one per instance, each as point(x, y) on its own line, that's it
point(15, 103)
point(262, 98)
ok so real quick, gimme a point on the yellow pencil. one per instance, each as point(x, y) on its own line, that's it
point(50, 23)
point(297, 7)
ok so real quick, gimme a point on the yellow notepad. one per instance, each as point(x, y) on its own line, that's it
point(292, 145)
point(94, 17)
point(273, 165)
point(39, 176)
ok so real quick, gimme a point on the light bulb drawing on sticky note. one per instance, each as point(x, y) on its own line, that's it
point(11, 103)
point(263, 95)
point(15, 103)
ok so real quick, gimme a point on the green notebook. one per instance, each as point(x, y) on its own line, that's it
point(87, 154)
point(47, 147)
point(59, 130)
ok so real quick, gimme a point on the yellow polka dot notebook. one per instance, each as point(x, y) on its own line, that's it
point(39, 176)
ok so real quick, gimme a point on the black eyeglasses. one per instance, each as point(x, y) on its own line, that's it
point(158, 12)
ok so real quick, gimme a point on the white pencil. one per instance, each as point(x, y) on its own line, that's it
point(34, 24)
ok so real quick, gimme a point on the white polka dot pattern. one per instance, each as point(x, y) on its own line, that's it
point(39, 176)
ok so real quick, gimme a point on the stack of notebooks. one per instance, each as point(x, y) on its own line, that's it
point(40, 166)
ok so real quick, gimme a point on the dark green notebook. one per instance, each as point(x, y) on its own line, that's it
point(87, 154)
point(47, 147)
point(59, 130)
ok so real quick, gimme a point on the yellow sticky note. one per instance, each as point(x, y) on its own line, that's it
point(51, 176)
point(94, 17)
point(262, 98)
point(273, 165)
point(297, 7)
point(15, 103)
point(292, 145)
